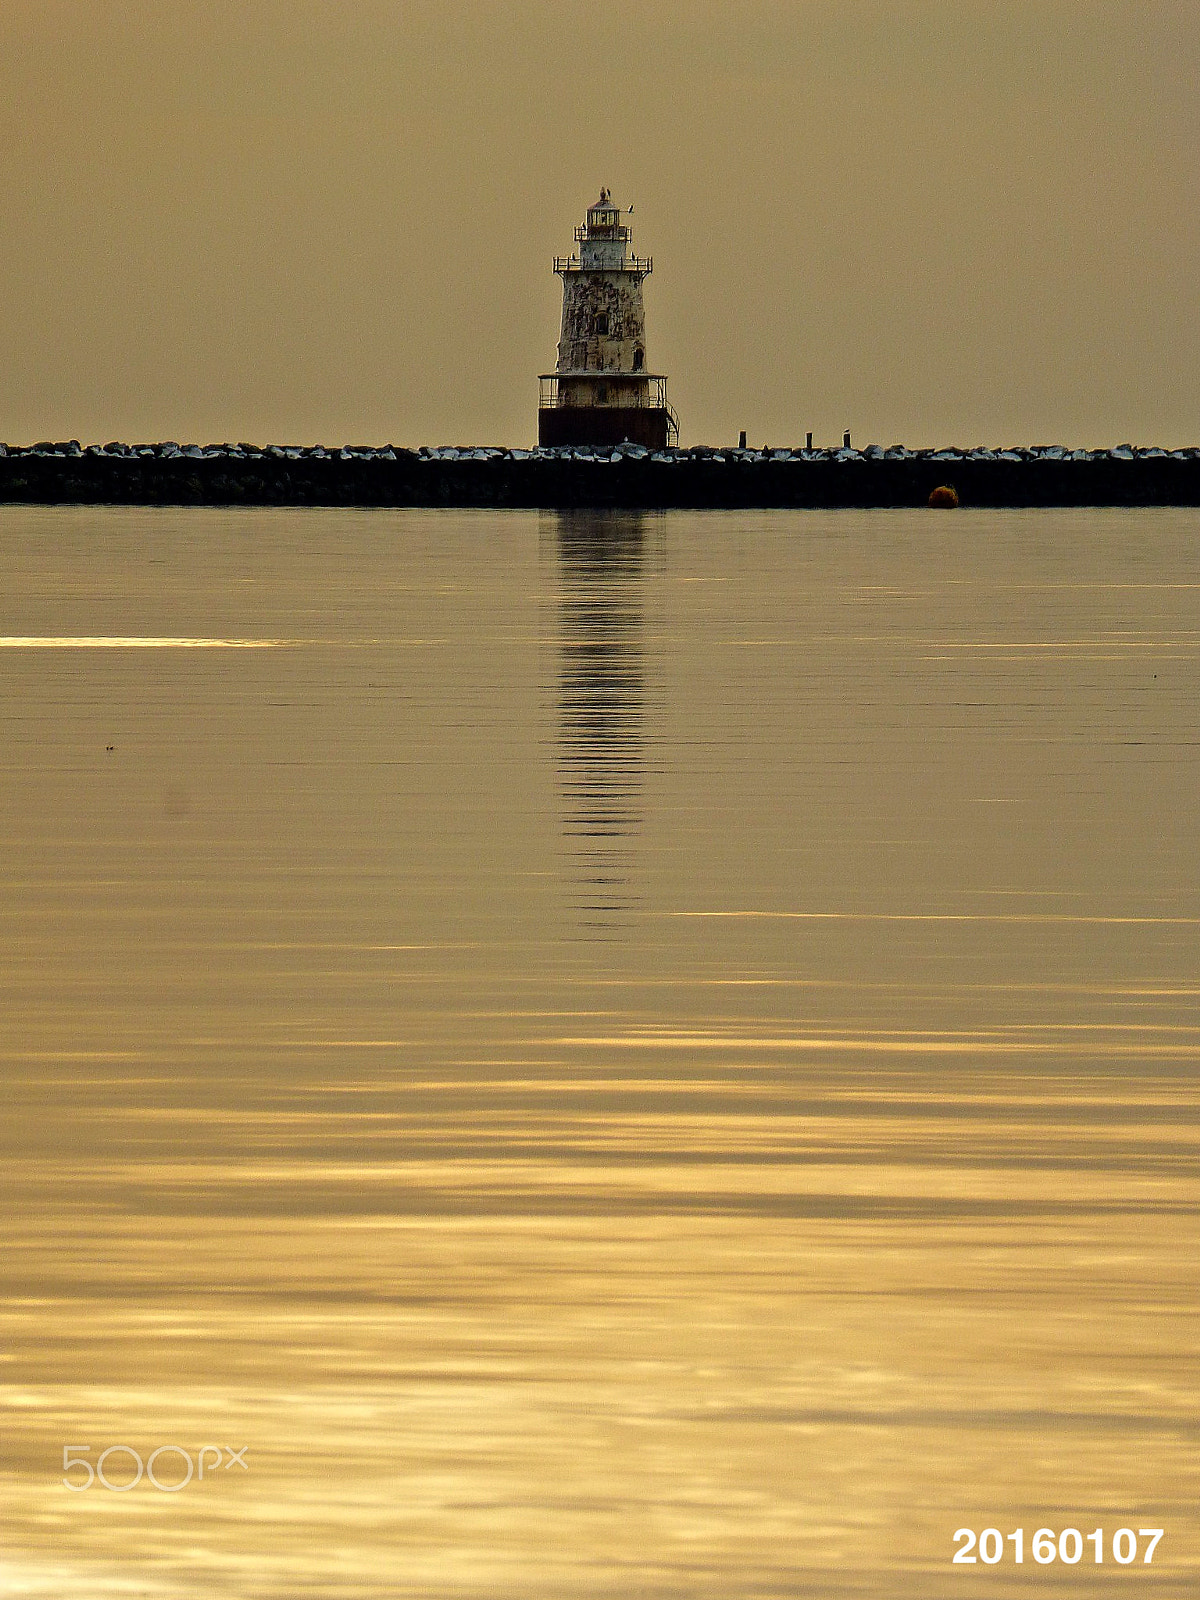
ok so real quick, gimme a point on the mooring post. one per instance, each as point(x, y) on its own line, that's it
point(742, 440)
point(846, 440)
point(808, 441)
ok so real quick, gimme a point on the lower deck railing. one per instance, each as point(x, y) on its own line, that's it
point(620, 389)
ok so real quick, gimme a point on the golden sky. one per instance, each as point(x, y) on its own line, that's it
point(925, 222)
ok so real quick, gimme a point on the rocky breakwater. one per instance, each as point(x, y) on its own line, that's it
point(627, 475)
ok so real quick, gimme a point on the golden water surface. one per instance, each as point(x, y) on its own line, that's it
point(615, 1056)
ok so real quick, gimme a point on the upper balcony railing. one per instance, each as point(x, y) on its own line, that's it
point(640, 264)
point(582, 232)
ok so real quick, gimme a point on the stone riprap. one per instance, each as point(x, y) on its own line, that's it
point(627, 475)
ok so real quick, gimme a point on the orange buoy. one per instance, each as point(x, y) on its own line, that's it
point(944, 498)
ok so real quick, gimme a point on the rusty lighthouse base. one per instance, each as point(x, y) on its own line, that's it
point(641, 416)
point(580, 425)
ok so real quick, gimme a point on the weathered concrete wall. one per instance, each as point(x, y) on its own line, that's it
point(626, 475)
point(611, 301)
point(603, 390)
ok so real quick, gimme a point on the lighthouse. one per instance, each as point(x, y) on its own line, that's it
point(600, 391)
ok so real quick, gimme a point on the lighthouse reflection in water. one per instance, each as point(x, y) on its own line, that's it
point(602, 709)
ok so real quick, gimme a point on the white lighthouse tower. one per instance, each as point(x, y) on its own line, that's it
point(600, 391)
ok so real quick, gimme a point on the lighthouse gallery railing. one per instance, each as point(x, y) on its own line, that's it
point(640, 264)
point(639, 390)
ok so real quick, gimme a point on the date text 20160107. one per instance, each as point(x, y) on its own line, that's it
point(1068, 1546)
